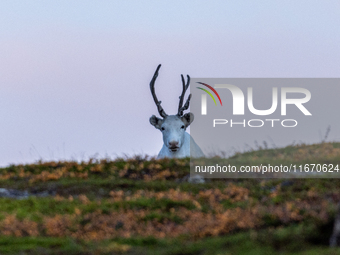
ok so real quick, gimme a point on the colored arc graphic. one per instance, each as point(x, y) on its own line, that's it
point(212, 90)
point(208, 93)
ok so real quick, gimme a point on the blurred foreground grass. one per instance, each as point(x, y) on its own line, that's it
point(140, 206)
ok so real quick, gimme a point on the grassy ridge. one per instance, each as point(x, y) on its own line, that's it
point(140, 206)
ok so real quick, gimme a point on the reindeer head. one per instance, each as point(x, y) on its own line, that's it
point(172, 126)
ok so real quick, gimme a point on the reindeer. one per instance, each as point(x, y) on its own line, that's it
point(177, 141)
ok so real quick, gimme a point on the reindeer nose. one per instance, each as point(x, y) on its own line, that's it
point(173, 144)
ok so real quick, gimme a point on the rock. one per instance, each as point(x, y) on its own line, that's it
point(334, 241)
point(196, 179)
point(19, 194)
point(12, 193)
point(4, 192)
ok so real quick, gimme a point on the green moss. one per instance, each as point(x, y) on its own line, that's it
point(40, 245)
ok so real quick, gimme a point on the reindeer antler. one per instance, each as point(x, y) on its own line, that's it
point(182, 108)
point(152, 88)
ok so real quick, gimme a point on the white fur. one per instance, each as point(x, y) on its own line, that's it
point(173, 130)
point(184, 150)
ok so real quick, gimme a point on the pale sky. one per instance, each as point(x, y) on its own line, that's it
point(75, 75)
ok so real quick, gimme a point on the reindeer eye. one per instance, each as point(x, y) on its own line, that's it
point(163, 128)
point(182, 127)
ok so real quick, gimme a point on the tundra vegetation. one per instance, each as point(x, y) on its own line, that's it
point(141, 205)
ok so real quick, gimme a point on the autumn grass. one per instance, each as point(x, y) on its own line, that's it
point(141, 205)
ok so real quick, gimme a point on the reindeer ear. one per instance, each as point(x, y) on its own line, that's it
point(156, 122)
point(187, 118)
